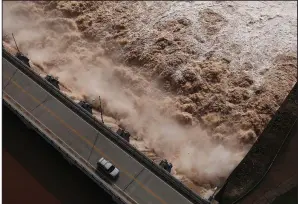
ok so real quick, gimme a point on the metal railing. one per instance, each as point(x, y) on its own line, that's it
point(69, 156)
point(149, 164)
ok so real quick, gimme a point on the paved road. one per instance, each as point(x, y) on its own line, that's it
point(282, 176)
point(55, 118)
point(34, 172)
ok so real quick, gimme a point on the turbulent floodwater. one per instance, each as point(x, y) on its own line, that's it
point(194, 82)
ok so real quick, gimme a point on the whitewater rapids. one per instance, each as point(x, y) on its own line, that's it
point(194, 82)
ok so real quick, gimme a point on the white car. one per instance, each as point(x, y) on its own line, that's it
point(108, 167)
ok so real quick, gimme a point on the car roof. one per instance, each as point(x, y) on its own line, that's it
point(103, 161)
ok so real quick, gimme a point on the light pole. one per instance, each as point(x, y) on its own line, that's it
point(100, 109)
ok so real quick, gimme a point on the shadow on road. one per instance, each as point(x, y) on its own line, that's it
point(41, 162)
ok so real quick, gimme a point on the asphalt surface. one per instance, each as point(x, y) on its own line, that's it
point(34, 172)
point(57, 120)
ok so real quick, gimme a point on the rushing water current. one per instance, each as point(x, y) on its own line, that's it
point(193, 82)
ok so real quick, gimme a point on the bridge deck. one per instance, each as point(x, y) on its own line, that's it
point(58, 121)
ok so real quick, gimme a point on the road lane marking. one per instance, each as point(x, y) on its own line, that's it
point(83, 138)
point(59, 140)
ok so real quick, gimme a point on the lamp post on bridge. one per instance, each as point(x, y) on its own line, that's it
point(100, 109)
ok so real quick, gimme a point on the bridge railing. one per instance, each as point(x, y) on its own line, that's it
point(107, 132)
point(69, 155)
